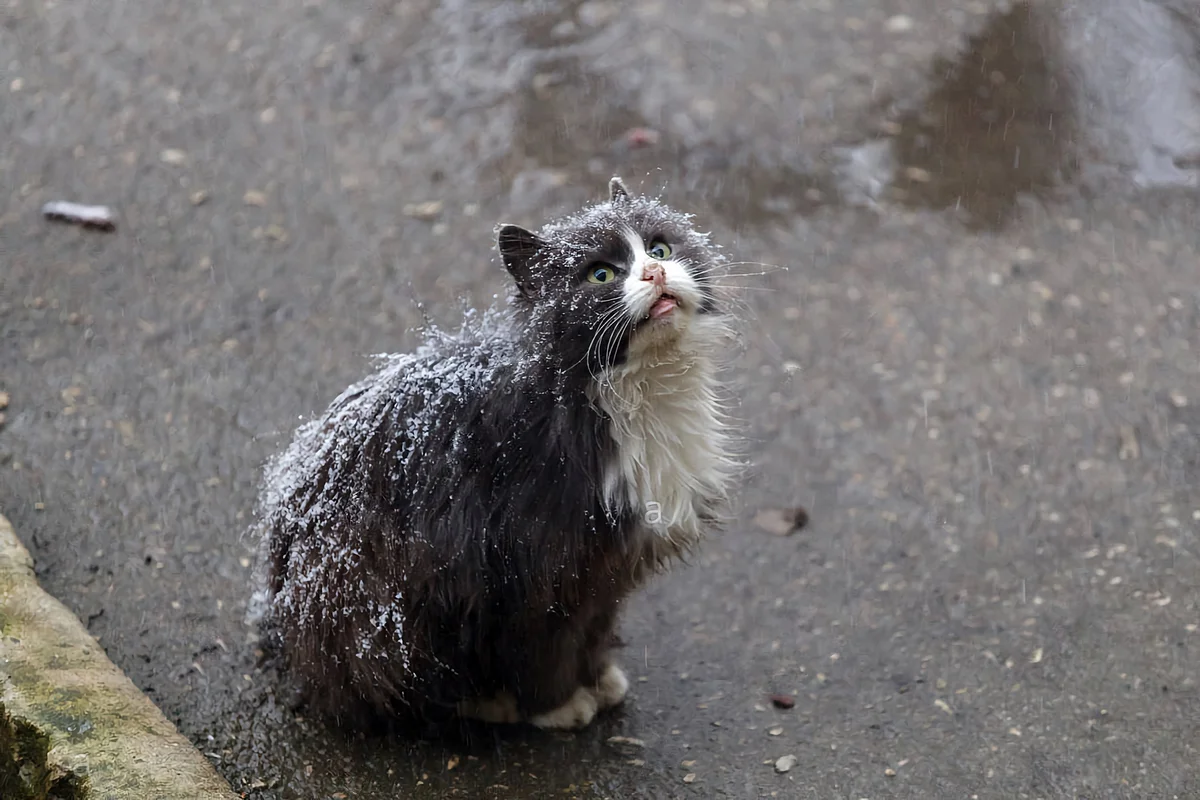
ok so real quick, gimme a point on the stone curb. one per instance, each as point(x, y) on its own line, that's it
point(97, 730)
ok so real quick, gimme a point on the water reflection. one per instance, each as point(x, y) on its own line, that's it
point(1045, 96)
point(998, 122)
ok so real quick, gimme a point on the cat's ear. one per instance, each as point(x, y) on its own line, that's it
point(617, 193)
point(518, 248)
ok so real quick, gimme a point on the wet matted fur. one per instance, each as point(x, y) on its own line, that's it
point(457, 532)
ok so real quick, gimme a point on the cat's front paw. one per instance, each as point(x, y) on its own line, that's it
point(612, 687)
point(578, 712)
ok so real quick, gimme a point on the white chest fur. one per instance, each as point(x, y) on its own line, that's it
point(672, 442)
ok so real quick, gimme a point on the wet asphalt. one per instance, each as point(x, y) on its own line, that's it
point(972, 357)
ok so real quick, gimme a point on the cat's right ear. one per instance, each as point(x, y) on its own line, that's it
point(518, 250)
point(617, 193)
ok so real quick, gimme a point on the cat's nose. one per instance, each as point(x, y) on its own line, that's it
point(654, 273)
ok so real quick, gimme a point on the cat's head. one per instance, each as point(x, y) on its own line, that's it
point(628, 272)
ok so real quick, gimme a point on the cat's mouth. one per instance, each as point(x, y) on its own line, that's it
point(663, 306)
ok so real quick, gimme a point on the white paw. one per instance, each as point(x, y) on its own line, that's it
point(612, 687)
point(499, 710)
point(575, 713)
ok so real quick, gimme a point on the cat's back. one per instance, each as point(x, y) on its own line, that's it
point(386, 430)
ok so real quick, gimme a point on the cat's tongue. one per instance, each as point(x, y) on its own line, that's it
point(663, 306)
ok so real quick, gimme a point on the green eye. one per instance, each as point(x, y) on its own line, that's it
point(659, 251)
point(601, 274)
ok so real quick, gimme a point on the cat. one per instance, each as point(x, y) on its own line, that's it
point(456, 534)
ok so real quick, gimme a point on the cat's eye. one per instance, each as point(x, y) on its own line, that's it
point(659, 251)
point(601, 273)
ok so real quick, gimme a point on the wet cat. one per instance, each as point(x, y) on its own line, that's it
point(457, 533)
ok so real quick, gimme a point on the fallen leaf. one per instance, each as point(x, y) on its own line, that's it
point(641, 137)
point(781, 521)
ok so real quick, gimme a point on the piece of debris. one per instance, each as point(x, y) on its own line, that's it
point(3, 400)
point(781, 521)
point(917, 175)
point(426, 211)
point(254, 198)
point(173, 157)
point(627, 743)
point(689, 778)
point(98, 218)
point(785, 763)
point(1130, 451)
point(199, 198)
point(783, 701)
point(641, 137)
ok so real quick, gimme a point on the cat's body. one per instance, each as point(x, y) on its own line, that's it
point(458, 531)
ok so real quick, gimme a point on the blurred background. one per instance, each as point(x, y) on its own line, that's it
point(978, 372)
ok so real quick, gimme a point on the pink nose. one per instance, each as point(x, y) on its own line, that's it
point(654, 272)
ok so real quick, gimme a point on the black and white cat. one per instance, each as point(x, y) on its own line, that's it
point(457, 532)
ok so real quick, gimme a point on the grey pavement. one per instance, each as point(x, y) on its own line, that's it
point(978, 372)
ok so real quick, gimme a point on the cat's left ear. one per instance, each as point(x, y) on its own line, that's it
point(518, 249)
point(617, 193)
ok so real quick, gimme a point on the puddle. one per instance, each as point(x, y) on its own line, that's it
point(997, 123)
point(1044, 98)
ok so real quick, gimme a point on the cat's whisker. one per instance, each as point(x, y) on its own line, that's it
point(718, 274)
point(726, 274)
point(767, 268)
point(742, 288)
point(610, 319)
point(725, 270)
point(613, 332)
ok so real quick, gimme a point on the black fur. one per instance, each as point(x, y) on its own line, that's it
point(439, 533)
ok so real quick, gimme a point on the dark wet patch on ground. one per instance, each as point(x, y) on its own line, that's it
point(998, 123)
point(576, 127)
